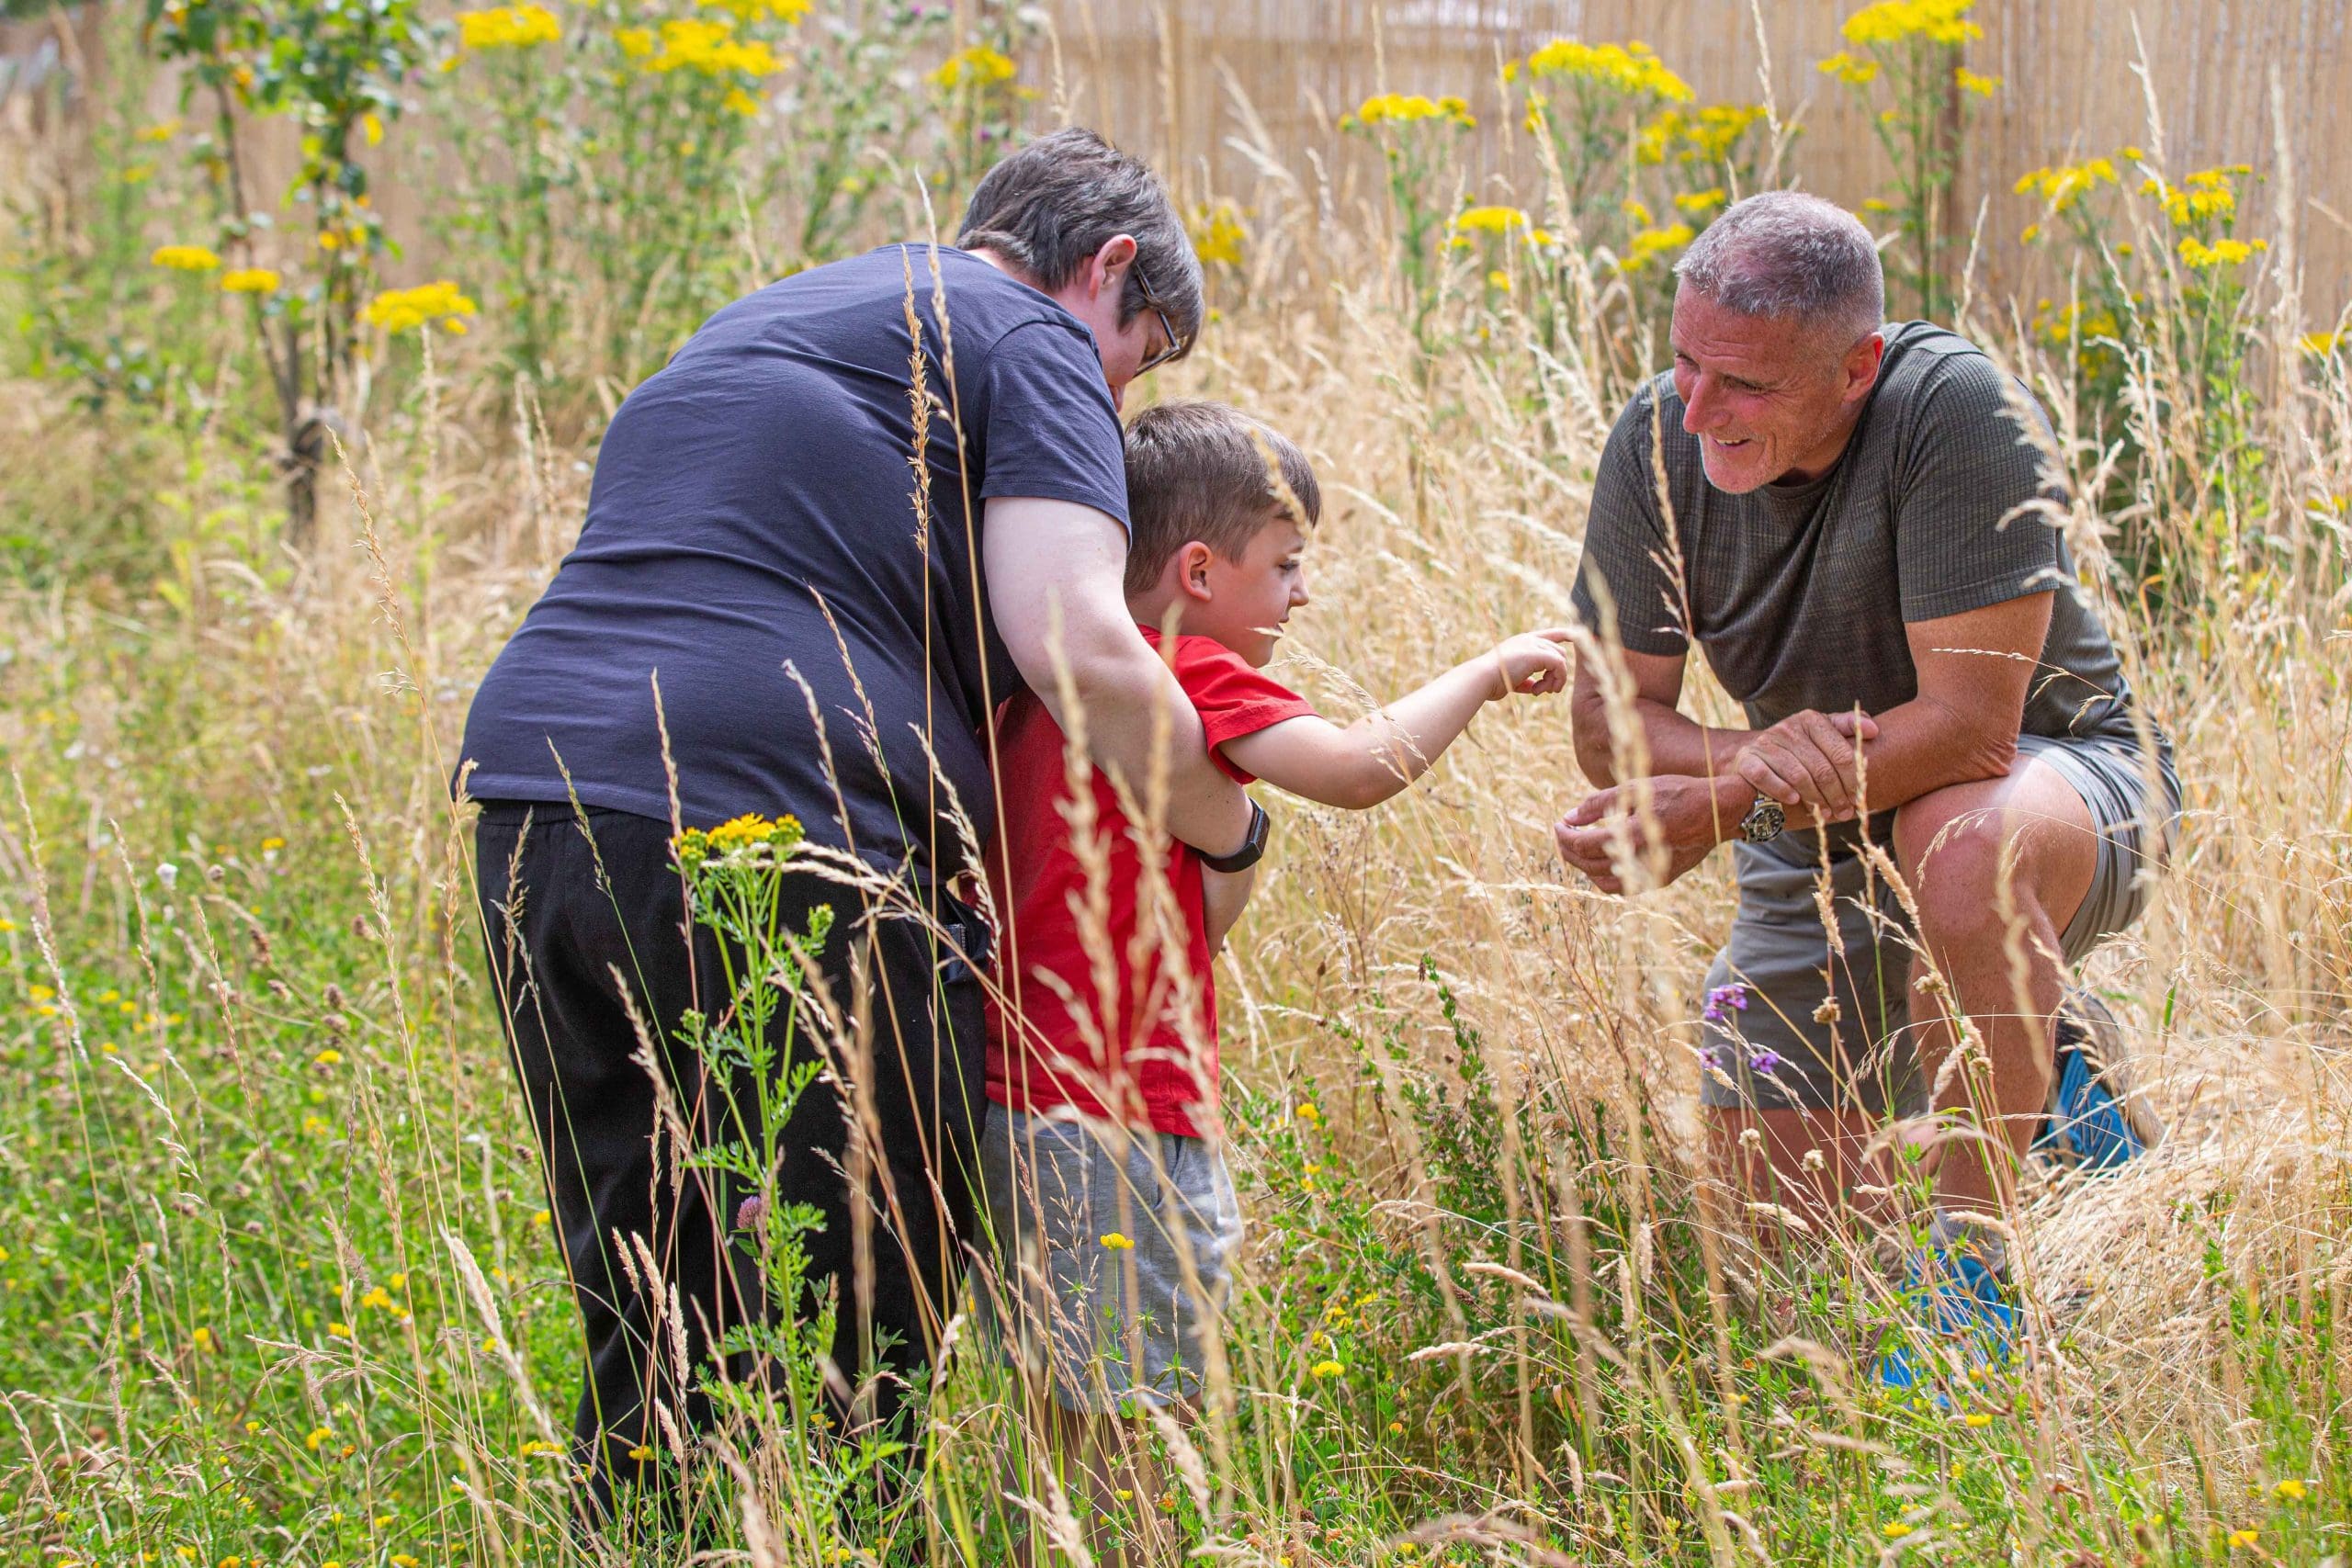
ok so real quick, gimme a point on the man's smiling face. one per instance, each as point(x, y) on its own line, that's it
point(1770, 397)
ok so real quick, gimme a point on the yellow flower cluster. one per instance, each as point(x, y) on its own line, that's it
point(1970, 82)
point(2203, 195)
point(1217, 234)
point(1489, 220)
point(748, 832)
point(1633, 69)
point(1650, 244)
point(250, 280)
point(2063, 184)
point(1706, 135)
point(2220, 253)
point(1894, 21)
point(2076, 323)
point(428, 304)
point(978, 66)
point(1404, 108)
point(708, 47)
point(508, 26)
point(184, 258)
point(1854, 72)
point(788, 12)
point(1701, 201)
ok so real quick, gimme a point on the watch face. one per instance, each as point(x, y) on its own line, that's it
point(1765, 819)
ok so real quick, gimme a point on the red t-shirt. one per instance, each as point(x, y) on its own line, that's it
point(1143, 1053)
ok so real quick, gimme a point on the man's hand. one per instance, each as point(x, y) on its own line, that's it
point(1534, 663)
point(1686, 817)
point(1810, 759)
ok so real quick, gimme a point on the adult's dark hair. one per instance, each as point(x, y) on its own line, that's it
point(1203, 470)
point(1051, 206)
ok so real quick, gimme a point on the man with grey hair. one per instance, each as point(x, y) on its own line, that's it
point(1856, 526)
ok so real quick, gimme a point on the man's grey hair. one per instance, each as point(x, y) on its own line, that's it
point(1049, 207)
point(1783, 253)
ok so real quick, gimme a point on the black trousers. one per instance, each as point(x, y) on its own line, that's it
point(568, 923)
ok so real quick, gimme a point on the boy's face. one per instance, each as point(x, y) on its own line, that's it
point(1243, 604)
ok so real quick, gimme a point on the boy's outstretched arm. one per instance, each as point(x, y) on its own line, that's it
point(1368, 762)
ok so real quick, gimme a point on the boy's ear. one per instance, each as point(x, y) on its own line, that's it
point(1193, 569)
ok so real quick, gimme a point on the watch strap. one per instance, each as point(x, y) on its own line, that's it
point(1254, 845)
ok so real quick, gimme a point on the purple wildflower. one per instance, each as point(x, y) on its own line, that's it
point(754, 1209)
point(1763, 1061)
point(1724, 1000)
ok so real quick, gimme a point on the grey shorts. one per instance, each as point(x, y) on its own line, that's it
point(1777, 1036)
point(1113, 1251)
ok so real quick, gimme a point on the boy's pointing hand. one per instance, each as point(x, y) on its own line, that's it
point(1535, 663)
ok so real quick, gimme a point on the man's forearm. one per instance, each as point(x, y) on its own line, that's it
point(1139, 726)
point(1922, 746)
point(1675, 744)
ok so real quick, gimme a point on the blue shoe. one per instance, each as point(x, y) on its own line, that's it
point(2096, 1118)
point(1965, 1313)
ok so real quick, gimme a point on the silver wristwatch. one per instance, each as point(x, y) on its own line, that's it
point(1764, 821)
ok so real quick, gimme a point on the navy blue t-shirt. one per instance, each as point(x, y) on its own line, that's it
point(763, 470)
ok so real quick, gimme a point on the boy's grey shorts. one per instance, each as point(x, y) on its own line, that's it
point(1113, 1325)
point(1861, 1054)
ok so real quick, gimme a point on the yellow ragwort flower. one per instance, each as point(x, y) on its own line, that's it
point(1698, 201)
point(1970, 82)
point(2066, 184)
point(508, 26)
point(409, 310)
point(2220, 253)
point(1853, 71)
point(184, 258)
point(1217, 234)
point(1652, 242)
point(788, 12)
point(1894, 21)
point(978, 66)
point(1489, 220)
point(1633, 69)
point(1407, 108)
point(250, 280)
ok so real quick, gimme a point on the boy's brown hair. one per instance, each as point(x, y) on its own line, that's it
point(1200, 471)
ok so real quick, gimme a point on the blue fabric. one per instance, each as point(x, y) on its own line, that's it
point(2087, 1125)
point(1959, 1302)
point(766, 467)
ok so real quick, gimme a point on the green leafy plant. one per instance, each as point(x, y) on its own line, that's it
point(1911, 78)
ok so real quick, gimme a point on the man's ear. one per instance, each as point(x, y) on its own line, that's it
point(1861, 366)
point(1193, 569)
point(1110, 263)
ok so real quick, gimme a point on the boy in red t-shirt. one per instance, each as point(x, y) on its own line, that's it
point(1115, 1218)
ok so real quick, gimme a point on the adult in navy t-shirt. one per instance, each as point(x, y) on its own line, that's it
point(754, 524)
point(754, 515)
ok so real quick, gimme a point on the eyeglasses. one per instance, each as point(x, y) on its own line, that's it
point(1177, 348)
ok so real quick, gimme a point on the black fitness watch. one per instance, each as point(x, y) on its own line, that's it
point(1253, 844)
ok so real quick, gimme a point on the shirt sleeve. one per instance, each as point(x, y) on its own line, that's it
point(1626, 550)
point(1052, 432)
point(1962, 542)
point(1232, 699)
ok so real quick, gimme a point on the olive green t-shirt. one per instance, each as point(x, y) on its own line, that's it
point(1798, 595)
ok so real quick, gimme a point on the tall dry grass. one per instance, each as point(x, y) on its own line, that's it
point(1557, 1347)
